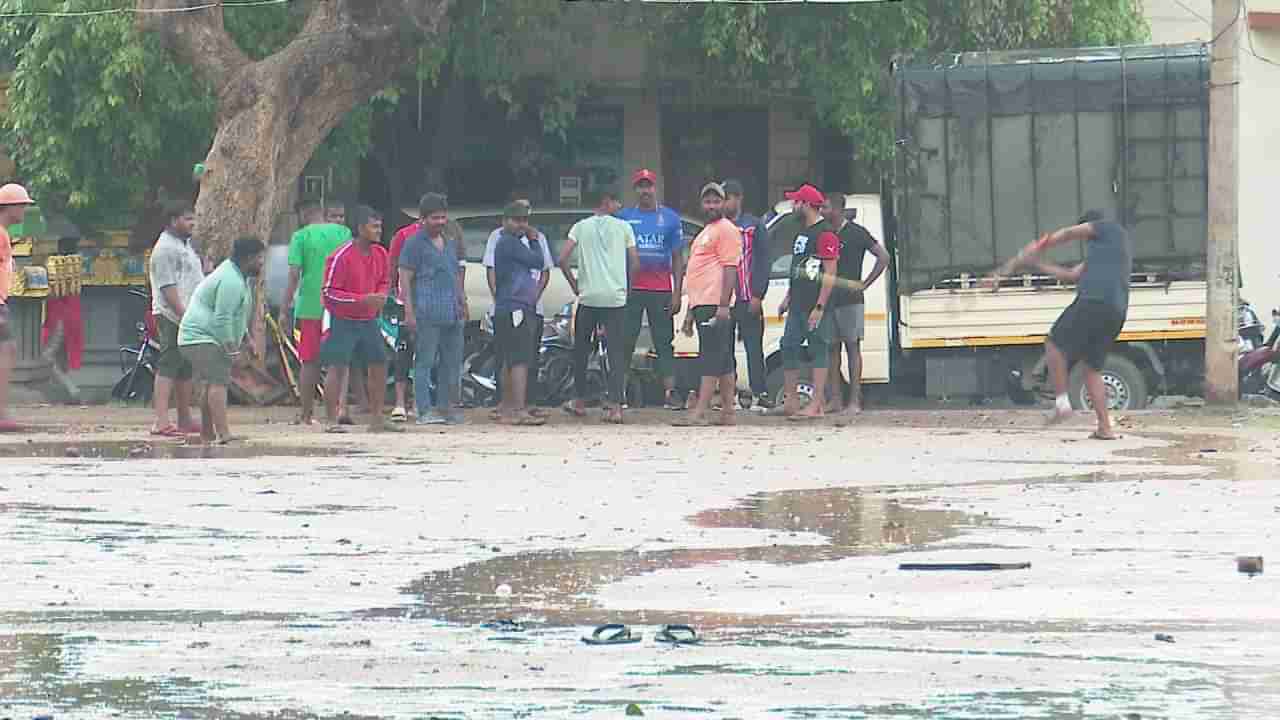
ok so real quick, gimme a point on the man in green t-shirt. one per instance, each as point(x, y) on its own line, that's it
point(603, 247)
point(308, 249)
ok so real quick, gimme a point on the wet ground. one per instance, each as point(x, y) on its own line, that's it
point(302, 575)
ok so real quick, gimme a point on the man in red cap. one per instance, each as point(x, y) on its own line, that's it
point(657, 287)
point(814, 255)
point(13, 207)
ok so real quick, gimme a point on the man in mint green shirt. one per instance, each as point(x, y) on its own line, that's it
point(308, 249)
point(213, 328)
point(603, 247)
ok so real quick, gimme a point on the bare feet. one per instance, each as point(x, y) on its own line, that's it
point(1101, 434)
point(726, 419)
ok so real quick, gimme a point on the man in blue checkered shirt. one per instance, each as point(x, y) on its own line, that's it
point(432, 275)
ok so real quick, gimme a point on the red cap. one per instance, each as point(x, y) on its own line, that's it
point(807, 194)
point(644, 174)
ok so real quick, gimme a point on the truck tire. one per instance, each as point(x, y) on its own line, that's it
point(1125, 384)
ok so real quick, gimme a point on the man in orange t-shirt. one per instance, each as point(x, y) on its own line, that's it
point(13, 207)
point(711, 276)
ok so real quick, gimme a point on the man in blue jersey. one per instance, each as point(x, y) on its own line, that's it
point(657, 286)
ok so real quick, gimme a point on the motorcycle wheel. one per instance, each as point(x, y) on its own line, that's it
point(137, 385)
point(555, 379)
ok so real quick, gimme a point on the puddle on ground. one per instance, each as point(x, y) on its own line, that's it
point(161, 450)
point(39, 672)
point(556, 587)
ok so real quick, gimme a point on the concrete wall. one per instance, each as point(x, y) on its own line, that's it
point(791, 151)
point(641, 138)
point(1178, 21)
point(1260, 163)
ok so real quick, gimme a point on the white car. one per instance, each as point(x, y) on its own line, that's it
point(554, 222)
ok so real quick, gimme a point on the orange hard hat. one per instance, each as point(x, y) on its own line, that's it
point(15, 194)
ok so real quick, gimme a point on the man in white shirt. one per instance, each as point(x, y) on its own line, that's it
point(175, 270)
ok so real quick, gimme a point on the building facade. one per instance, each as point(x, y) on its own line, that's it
point(1258, 67)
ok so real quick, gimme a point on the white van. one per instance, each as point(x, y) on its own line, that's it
point(783, 226)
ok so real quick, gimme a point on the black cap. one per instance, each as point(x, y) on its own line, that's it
point(733, 187)
point(433, 203)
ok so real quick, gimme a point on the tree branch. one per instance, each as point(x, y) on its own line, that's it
point(198, 37)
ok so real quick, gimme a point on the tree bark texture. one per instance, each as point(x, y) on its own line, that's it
point(273, 113)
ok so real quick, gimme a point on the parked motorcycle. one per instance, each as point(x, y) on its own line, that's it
point(1259, 369)
point(480, 367)
point(555, 374)
point(1249, 327)
point(138, 361)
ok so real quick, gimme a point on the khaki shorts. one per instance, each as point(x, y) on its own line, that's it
point(171, 363)
point(848, 323)
point(210, 363)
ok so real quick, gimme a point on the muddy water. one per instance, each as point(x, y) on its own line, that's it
point(556, 587)
point(1120, 553)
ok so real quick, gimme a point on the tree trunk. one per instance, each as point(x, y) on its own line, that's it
point(245, 190)
point(273, 113)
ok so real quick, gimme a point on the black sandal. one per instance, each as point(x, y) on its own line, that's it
point(504, 625)
point(619, 635)
point(677, 635)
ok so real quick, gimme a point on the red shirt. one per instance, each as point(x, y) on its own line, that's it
point(397, 242)
point(350, 275)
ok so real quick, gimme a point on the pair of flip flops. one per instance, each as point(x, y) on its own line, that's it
point(504, 625)
point(619, 634)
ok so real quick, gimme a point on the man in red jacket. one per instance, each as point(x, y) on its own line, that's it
point(354, 292)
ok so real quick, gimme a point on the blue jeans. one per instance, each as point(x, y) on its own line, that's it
point(796, 333)
point(439, 348)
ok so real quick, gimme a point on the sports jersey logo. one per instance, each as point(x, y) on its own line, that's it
point(801, 244)
point(812, 268)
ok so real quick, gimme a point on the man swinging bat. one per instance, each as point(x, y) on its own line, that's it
point(1089, 326)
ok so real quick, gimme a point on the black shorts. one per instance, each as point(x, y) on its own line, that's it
point(514, 343)
point(1086, 331)
point(715, 343)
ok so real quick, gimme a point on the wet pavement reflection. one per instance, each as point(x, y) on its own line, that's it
point(555, 587)
point(167, 450)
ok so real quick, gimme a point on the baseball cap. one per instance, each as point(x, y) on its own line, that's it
point(516, 209)
point(15, 194)
point(807, 194)
point(712, 187)
point(642, 175)
point(733, 187)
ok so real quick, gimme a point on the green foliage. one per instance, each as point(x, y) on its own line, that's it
point(96, 111)
point(99, 112)
point(488, 42)
point(836, 58)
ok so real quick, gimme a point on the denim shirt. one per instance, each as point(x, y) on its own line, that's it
point(435, 278)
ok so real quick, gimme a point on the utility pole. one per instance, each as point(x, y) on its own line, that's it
point(1220, 347)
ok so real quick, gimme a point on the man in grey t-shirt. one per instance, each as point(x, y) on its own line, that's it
point(174, 270)
point(1089, 326)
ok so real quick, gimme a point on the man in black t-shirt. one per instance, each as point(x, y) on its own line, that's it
point(1089, 326)
point(814, 254)
point(847, 301)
